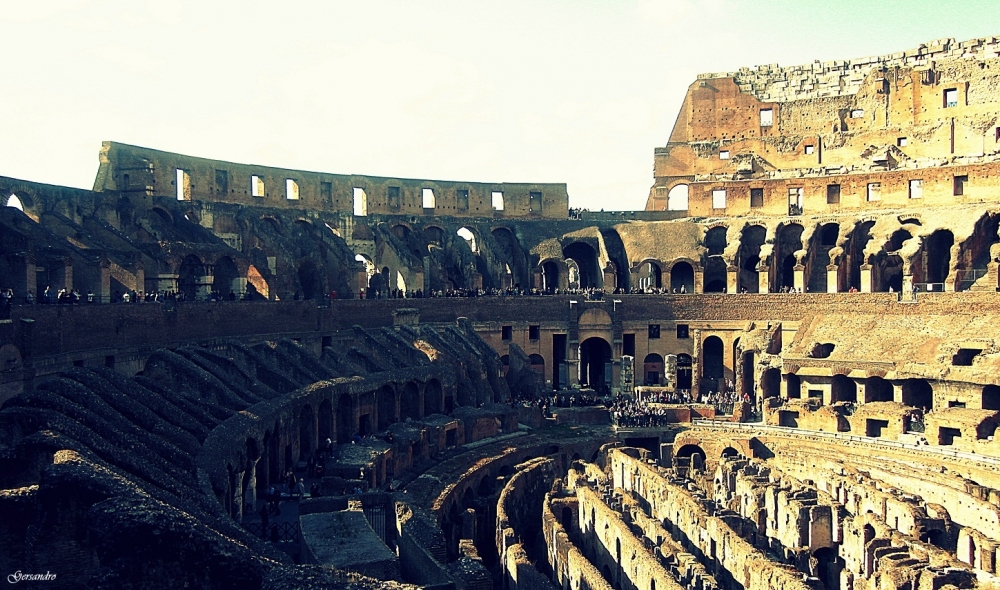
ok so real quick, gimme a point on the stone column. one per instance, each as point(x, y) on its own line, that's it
point(68, 274)
point(908, 288)
point(799, 279)
point(832, 275)
point(732, 279)
point(764, 283)
point(866, 278)
point(699, 280)
point(103, 294)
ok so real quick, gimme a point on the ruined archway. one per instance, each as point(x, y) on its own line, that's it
point(771, 383)
point(652, 369)
point(681, 277)
point(856, 252)
point(789, 242)
point(937, 257)
point(433, 397)
point(307, 432)
point(684, 368)
point(824, 240)
point(677, 198)
point(878, 389)
point(650, 276)
point(749, 258)
point(586, 259)
point(191, 278)
point(918, 393)
point(550, 276)
point(712, 362)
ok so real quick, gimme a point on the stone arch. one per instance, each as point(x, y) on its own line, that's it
point(434, 235)
point(937, 257)
point(856, 252)
point(650, 274)
point(681, 277)
point(310, 282)
point(824, 239)
point(386, 401)
point(749, 366)
point(433, 397)
point(595, 316)
point(652, 369)
point(716, 275)
point(191, 277)
point(878, 389)
point(974, 253)
point(470, 237)
point(537, 363)
point(595, 361)
point(891, 264)
point(226, 276)
point(586, 258)
point(843, 389)
point(712, 361)
point(753, 237)
point(789, 242)
point(307, 432)
point(677, 197)
point(918, 393)
point(684, 370)
point(554, 274)
point(513, 255)
point(409, 401)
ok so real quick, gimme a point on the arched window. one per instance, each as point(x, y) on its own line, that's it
point(15, 202)
point(677, 198)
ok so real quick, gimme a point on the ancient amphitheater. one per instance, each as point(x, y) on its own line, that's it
point(795, 336)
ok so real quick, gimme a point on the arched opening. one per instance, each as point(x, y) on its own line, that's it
point(652, 367)
point(677, 198)
point(470, 239)
point(693, 455)
point(712, 367)
point(307, 432)
point(828, 566)
point(793, 386)
point(191, 277)
point(938, 256)
point(771, 383)
point(386, 401)
point(824, 240)
point(731, 453)
point(369, 268)
point(595, 363)
point(572, 274)
point(974, 253)
point(684, 371)
point(789, 242)
point(537, 363)
point(513, 256)
point(681, 278)
point(433, 397)
point(309, 280)
point(918, 393)
point(586, 259)
point(650, 276)
point(226, 276)
point(15, 202)
point(346, 425)
point(891, 266)
point(715, 275)
point(878, 389)
point(550, 276)
point(749, 256)
point(843, 389)
point(856, 252)
point(409, 402)
point(749, 364)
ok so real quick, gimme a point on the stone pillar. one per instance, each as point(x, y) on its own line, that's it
point(799, 279)
point(832, 276)
point(732, 279)
point(609, 278)
point(537, 278)
point(103, 294)
point(908, 288)
point(866, 278)
point(696, 363)
point(68, 274)
point(763, 284)
point(699, 280)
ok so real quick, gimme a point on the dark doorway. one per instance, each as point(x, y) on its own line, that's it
point(684, 371)
point(595, 363)
point(681, 278)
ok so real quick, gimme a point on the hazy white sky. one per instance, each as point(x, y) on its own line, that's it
point(568, 91)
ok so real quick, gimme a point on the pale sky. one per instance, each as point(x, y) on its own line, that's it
point(575, 91)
